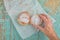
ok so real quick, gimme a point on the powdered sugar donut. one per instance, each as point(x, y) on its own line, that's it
point(35, 20)
point(24, 18)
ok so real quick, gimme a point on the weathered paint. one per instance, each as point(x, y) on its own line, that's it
point(8, 31)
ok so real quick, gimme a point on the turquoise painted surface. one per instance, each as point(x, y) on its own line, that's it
point(8, 31)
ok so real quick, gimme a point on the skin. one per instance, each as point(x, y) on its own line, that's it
point(48, 28)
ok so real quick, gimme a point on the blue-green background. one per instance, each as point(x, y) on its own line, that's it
point(8, 31)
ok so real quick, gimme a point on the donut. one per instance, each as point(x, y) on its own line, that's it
point(24, 18)
point(35, 20)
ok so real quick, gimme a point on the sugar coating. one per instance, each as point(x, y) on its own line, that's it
point(24, 18)
point(35, 20)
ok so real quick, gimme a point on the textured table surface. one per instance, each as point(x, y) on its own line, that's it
point(8, 31)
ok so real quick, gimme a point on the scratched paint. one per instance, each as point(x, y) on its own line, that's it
point(8, 31)
point(0, 31)
point(53, 4)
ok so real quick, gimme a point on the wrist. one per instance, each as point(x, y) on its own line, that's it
point(53, 37)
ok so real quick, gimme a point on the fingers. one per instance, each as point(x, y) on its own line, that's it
point(44, 18)
point(45, 15)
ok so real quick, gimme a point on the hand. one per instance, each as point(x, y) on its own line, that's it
point(48, 27)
